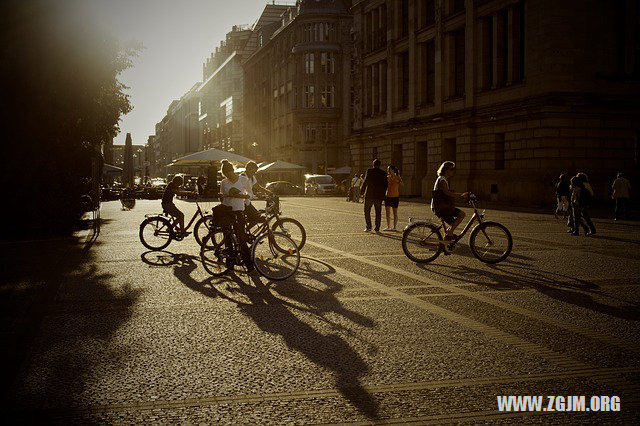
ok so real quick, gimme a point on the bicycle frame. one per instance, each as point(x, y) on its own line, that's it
point(475, 217)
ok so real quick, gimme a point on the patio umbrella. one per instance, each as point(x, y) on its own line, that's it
point(208, 157)
point(344, 170)
point(110, 170)
point(280, 166)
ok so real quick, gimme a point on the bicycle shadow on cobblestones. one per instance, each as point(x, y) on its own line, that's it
point(329, 351)
point(56, 342)
point(564, 288)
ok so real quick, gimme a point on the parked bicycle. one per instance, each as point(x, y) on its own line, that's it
point(158, 230)
point(274, 254)
point(271, 215)
point(490, 242)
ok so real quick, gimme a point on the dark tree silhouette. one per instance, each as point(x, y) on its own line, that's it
point(61, 100)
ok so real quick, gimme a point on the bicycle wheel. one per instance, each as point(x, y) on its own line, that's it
point(156, 233)
point(213, 253)
point(202, 228)
point(293, 229)
point(421, 242)
point(275, 255)
point(490, 242)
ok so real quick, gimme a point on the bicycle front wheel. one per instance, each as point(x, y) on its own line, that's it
point(293, 229)
point(275, 256)
point(490, 242)
point(156, 233)
point(421, 242)
point(214, 255)
point(202, 227)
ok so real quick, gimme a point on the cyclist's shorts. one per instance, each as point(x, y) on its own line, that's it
point(171, 209)
point(451, 216)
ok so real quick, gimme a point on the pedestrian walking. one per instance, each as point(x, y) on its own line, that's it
point(563, 195)
point(587, 198)
point(621, 190)
point(374, 188)
point(579, 203)
point(392, 198)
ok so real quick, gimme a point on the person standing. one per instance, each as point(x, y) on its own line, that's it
point(621, 190)
point(374, 188)
point(251, 213)
point(392, 199)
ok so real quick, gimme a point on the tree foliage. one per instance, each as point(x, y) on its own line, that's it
point(62, 100)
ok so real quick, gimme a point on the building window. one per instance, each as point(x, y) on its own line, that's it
point(308, 63)
point(327, 97)
point(449, 149)
point(404, 18)
point(458, 63)
point(427, 13)
point(428, 73)
point(308, 100)
point(487, 53)
point(499, 152)
point(326, 132)
point(403, 82)
point(327, 63)
point(309, 133)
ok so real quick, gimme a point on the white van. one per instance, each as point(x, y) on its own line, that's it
point(319, 185)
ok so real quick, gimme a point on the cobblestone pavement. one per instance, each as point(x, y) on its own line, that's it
point(107, 332)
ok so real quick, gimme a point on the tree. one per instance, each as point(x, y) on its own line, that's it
point(61, 101)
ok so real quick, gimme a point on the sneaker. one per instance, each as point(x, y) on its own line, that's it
point(394, 229)
point(367, 229)
point(387, 229)
point(377, 230)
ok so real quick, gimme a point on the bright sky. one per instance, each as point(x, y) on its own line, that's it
point(178, 36)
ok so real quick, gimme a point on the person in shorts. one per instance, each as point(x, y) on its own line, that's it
point(168, 206)
point(443, 199)
point(251, 213)
point(392, 198)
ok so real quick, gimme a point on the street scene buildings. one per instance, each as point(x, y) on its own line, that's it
point(506, 89)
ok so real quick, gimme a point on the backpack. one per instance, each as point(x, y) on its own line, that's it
point(585, 197)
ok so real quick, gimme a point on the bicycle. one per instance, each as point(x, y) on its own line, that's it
point(158, 230)
point(274, 254)
point(286, 225)
point(490, 242)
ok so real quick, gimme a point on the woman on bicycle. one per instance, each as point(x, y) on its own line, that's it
point(443, 199)
point(235, 190)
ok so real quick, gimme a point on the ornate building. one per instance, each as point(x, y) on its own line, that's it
point(514, 91)
point(296, 86)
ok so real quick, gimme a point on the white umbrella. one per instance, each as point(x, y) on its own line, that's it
point(205, 158)
point(344, 170)
point(280, 166)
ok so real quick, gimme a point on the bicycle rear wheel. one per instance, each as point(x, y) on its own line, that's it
point(490, 242)
point(156, 233)
point(275, 255)
point(293, 229)
point(421, 242)
point(214, 255)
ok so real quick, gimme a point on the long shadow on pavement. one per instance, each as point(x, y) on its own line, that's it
point(329, 351)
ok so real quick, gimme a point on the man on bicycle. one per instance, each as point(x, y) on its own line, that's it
point(443, 199)
point(168, 206)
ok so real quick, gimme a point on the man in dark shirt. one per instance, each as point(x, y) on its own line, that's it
point(374, 189)
point(167, 201)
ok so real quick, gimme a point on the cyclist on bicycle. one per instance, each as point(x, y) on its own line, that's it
point(250, 211)
point(443, 199)
point(168, 206)
point(235, 191)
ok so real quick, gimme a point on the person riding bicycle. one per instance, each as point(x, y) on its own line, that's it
point(250, 211)
point(443, 199)
point(168, 206)
point(235, 192)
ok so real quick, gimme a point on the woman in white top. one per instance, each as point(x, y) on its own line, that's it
point(235, 190)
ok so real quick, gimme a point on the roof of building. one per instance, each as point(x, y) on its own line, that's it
point(315, 7)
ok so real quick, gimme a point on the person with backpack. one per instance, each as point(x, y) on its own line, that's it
point(580, 199)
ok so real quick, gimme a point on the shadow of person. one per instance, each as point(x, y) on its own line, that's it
point(328, 351)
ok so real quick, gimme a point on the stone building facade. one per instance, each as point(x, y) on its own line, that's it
point(296, 97)
point(514, 91)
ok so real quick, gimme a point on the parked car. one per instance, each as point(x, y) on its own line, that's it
point(319, 185)
point(284, 188)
